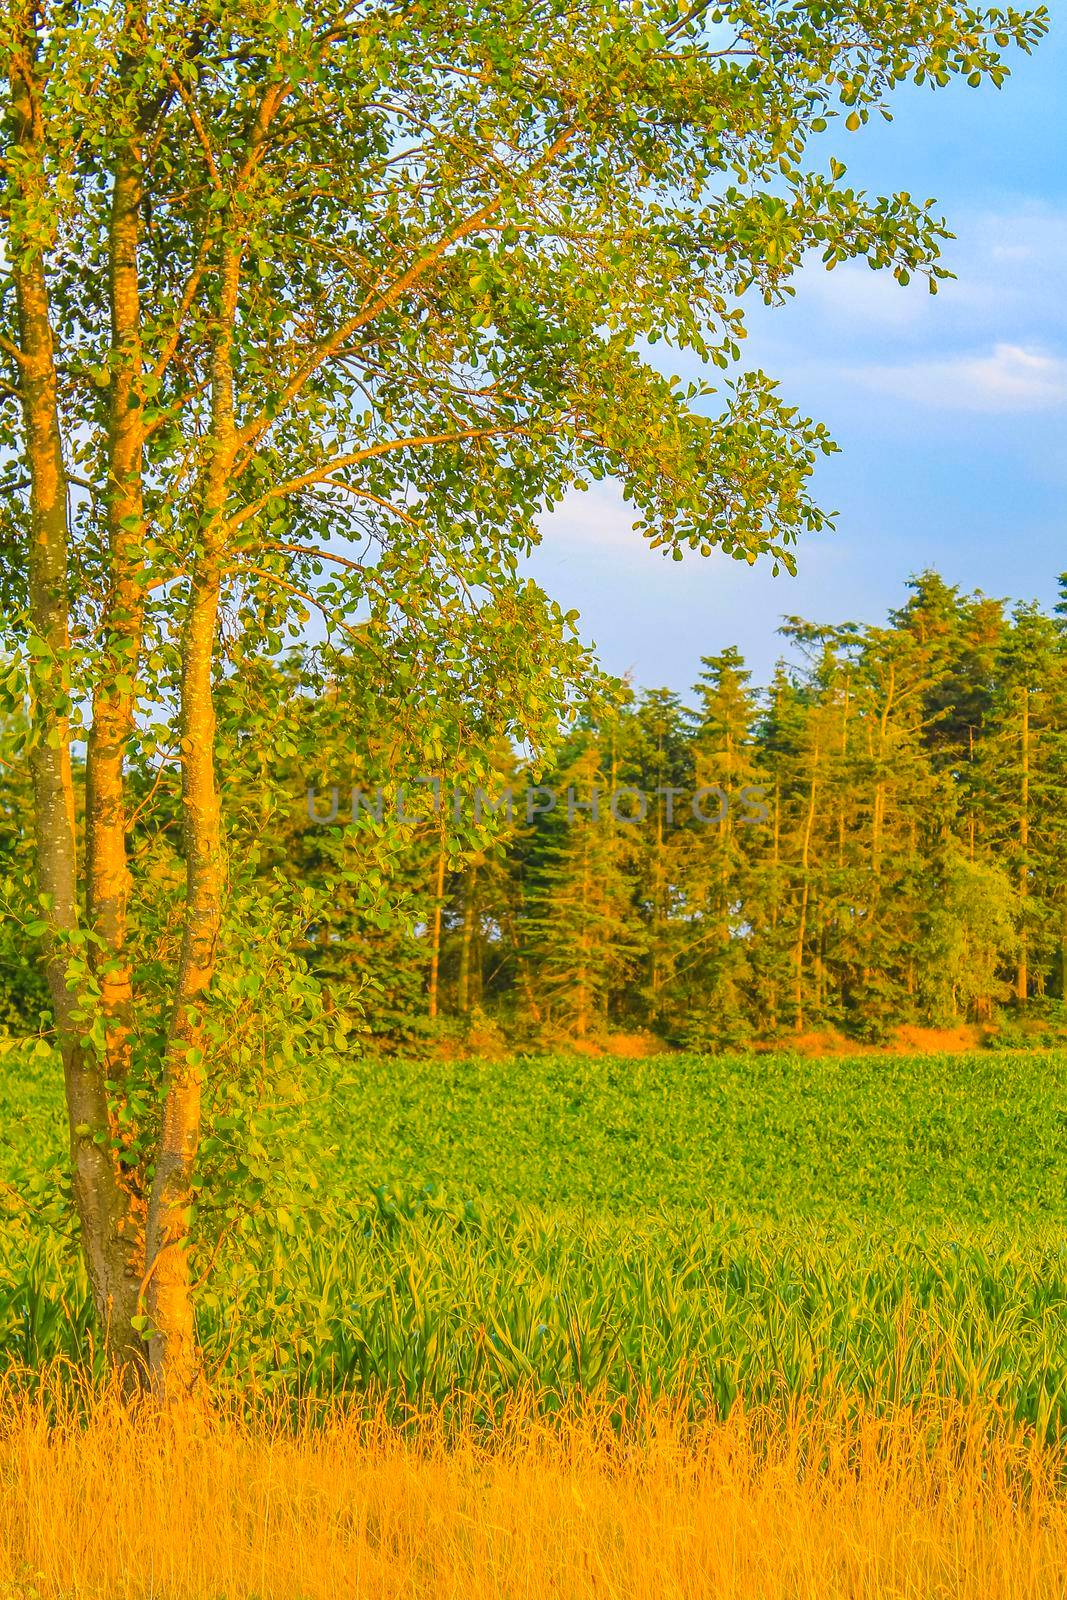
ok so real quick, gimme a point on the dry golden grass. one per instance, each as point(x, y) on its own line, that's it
point(819, 1505)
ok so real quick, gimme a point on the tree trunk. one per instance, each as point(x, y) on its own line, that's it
point(1022, 973)
point(776, 864)
point(463, 982)
point(582, 975)
point(805, 895)
point(98, 1196)
point(173, 1354)
point(877, 826)
point(174, 1358)
point(523, 968)
point(107, 869)
point(435, 933)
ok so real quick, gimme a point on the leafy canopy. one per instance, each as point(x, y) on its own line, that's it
point(459, 229)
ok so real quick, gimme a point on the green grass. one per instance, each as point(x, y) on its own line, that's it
point(769, 1225)
point(962, 1139)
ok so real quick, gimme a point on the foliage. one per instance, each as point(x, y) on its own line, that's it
point(970, 933)
point(880, 844)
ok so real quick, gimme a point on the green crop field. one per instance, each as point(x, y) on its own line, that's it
point(764, 1225)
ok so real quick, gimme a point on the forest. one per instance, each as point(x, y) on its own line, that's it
point(901, 859)
point(874, 840)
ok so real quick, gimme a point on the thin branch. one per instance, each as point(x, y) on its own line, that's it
point(12, 350)
point(316, 555)
point(175, 407)
point(254, 430)
point(330, 618)
point(150, 796)
point(271, 103)
point(192, 284)
point(323, 474)
point(198, 127)
point(170, 577)
point(375, 499)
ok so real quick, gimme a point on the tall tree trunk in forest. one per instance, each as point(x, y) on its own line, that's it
point(843, 752)
point(523, 967)
point(724, 834)
point(878, 809)
point(582, 975)
point(723, 917)
point(878, 821)
point(819, 964)
point(805, 894)
point(776, 854)
point(1022, 974)
point(463, 980)
point(657, 907)
point(970, 809)
point(435, 933)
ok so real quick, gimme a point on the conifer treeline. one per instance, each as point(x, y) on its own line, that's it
point(893, 850)
point(911, 866)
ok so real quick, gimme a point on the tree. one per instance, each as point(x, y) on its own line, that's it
point(313, 312)
point(885, 884)
point(969, 933)
point(647, 750)
point(716, 850)
point(579, 918)
point(1022, 765)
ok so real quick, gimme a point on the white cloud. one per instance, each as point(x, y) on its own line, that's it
point(598, 519)
point(853, 293)
point(1012, 378)
point(1011, 252)
point(1030, 232)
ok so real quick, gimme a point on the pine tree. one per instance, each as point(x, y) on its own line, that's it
point(911, 864)
point(767, 910)
point(968, 934)
point(650, 752)
point(578, 920)
point(713, 978)
point(1021, 761)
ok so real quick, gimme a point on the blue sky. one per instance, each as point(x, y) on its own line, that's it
point(951, 411)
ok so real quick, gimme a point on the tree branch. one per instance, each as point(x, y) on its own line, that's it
point(253, 431)
point(324, 473)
